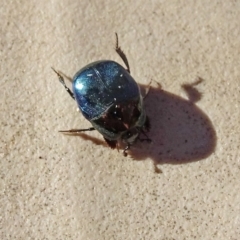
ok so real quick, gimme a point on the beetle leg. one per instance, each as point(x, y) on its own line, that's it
point(147, 139)
point(77, 130)
point(61, 80)
point(111, 144)
point(147, 90)
point(147, 124)
point(125, 150)
point(121, 54)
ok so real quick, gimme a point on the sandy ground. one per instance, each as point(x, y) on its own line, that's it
point(54, 186)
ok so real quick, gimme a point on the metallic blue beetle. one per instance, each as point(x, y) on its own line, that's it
point(110, 99)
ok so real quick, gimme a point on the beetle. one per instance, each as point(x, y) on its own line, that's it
point(110, 99)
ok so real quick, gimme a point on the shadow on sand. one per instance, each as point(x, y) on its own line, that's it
point(180, 131)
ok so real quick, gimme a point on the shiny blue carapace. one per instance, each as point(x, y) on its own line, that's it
point(101, 84)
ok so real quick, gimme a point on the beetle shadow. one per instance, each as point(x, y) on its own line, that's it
point(180, 131)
